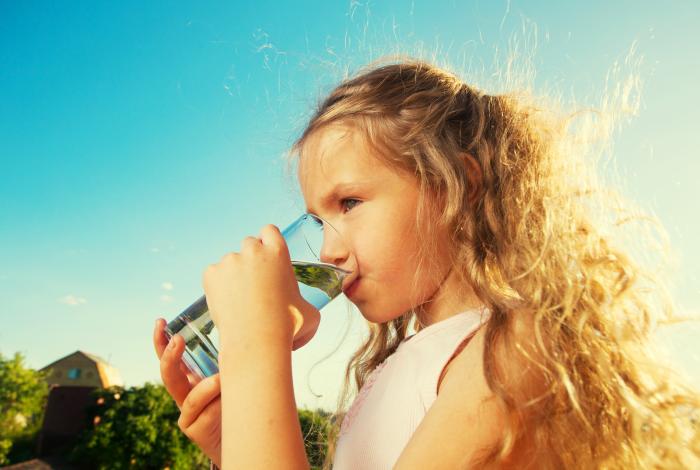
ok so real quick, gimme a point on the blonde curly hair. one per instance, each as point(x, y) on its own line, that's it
point(530, 235)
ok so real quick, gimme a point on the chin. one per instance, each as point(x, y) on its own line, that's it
point(377, 315)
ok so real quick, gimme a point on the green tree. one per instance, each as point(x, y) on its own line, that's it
point(136, 428)
point(314, 427)
point(23, 394)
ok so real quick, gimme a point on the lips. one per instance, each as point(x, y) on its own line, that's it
point(350, 289)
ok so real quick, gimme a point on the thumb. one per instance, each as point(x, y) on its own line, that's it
point(306, 321)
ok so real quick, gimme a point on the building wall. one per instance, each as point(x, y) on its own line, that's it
point(64, 418)
point(75, 370)
point(72, 380)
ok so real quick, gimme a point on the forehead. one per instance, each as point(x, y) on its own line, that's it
point(336, 154)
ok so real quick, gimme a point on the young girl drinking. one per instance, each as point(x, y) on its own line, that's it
point(470, 217)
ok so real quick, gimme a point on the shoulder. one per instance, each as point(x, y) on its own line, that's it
point(466, 418)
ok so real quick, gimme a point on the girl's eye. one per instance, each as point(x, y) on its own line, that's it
point(349, 203)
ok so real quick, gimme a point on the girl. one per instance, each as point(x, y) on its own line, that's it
point(469, 216)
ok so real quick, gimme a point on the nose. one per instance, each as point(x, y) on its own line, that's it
point(334, 251)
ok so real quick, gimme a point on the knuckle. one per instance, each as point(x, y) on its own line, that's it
point(251, 242)
point(209, 270)
point(228, 258)
point(186, 403)
point(281, 247)
point(207, 274)
point(271, 230)
point(181, 425)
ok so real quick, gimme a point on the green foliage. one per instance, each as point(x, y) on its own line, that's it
point(23, 394)
point(136, 428)
point(127, 428)
point(314, 427)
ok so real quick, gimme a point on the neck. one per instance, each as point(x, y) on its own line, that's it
point(450, 299)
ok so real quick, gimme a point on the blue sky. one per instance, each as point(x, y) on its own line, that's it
point(140, 141)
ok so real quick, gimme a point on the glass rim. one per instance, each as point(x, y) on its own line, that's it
point(310, 215)
point(305, 216)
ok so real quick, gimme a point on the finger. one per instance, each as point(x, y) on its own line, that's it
point(191, 377)
point(250, 243)
point(271, 236)
point(160, 339)
point(300, 342)
point(174, 379)
point(198, 399)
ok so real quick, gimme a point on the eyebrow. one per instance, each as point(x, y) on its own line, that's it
point(338, 189)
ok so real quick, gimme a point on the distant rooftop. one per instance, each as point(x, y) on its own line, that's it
point(82, 369)
point(93, 357)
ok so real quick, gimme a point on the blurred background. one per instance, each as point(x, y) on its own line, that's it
point(141, 141)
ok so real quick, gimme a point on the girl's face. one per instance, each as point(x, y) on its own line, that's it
point(373, 208)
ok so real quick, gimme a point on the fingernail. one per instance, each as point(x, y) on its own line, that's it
point(171, 344)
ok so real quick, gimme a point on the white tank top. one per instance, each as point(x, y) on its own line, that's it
point(398, 393)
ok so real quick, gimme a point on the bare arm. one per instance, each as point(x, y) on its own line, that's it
point(260, 425)
point(255, 303)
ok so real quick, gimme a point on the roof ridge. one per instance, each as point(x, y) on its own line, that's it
point(92, 357)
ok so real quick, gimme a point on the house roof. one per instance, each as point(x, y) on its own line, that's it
point(107, 375)
point(92, 357)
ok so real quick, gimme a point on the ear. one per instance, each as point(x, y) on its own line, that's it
point(474, 177)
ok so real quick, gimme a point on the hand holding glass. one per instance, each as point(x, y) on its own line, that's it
point(319, 283)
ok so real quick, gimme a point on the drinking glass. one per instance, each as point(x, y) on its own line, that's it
point(319, 283)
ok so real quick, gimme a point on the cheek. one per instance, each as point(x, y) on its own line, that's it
point(391, 262)
point(413, 280)
point(387, 252)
